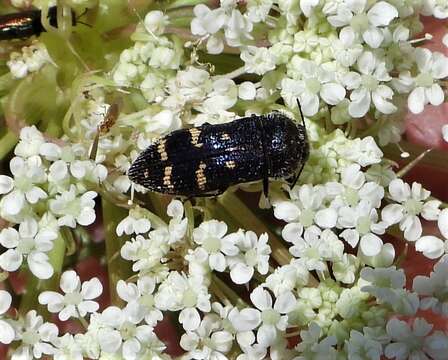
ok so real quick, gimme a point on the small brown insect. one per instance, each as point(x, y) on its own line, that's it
point(105, 125)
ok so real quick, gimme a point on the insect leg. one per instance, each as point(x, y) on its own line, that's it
point(216, 192)
point(266, 186)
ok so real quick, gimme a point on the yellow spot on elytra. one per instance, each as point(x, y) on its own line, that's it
point(146, 173)
point(230, 164)
point(162, 150)
point(195, 133)
point(201, 180)
point(225, 136)
point(167, 176)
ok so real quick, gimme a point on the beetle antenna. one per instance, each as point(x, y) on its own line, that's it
point(81, 15)
point(304, 126)
point(301, 113)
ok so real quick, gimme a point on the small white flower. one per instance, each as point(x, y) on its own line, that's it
point(432, 67)
point(77, 301)
point(36, 337)
point(27, 174)
point(208, 341)
point(207, 23)
point(410, 341)
point(210, 235)
point(155, 22)
point(134, 223)
point(434, 289)
point(316, 247)
point(146, 254)
point(347, 49)
point(119, 334)
point(274, 318)
point(30, 142)
point(140, 300)
point(72, 208)
point(367, 24)
point(179, 292)
point(437, 8)
point(287, 277)
point(360, 346)
point(258, 60)
point(30, 243)
point(313, 347)
point(367, 87)
point(7, 332)
point(361, 225)
point(238, 29)
point(314, 82)
point(410, 203)
point(67, 348)
point(254, 253)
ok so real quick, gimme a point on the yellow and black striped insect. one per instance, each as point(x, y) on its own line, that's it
point(206, 160)
point(27, 23)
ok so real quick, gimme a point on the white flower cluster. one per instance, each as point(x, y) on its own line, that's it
point(48, 189)
point(32, 59)
point(359, 60)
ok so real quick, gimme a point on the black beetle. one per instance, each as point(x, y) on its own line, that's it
point(27, 23)
point(206, 160)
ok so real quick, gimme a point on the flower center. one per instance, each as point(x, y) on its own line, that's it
point(22, 183)
point(363, 225)
point(73, 298)
point(369, 82)
point(30, 337)
point(306, 217)
point(270, 317)
point(251, 257)
point(26, 245)
point(413, 206)
point(212, 244)
point(190, 298)
point(424, 79)
point(127, 330)
point(351, 197)
point(312, 85)
point(360, 22)
point(147, 300)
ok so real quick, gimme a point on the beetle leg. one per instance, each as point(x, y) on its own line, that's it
point(216, 192)
point(266, 186)
point(294, 181)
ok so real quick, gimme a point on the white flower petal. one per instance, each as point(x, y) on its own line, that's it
point(442, 222)
point(326, 218)
point(332, 93)
point(416, 100)
point(70, 281)
point(435, 94)
point(431, 246)
point(39, 265)
point(373, 37)
point(10, 260)
point(7, 333)
point(370, 245)
point(241, 273)
point(190, 319)
point(91, 289)
point(6, 184)
point(5, 301)
point(382, 13)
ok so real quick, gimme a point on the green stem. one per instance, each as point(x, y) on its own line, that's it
point(7, 142)
point(118, 268)
point(221, 289)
